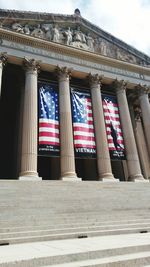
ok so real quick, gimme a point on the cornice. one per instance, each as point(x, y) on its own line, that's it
point(71, 51)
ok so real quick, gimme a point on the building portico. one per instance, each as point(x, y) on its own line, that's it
point(31, 59)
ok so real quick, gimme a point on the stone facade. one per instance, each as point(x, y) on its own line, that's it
point(69, 49)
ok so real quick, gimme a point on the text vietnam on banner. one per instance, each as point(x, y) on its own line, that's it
point(49, 143)
point(113, 127)
point(83, 127)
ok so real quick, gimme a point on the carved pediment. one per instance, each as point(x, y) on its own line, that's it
point(71, 30)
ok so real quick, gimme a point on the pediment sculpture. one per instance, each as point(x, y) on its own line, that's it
point(74, 35)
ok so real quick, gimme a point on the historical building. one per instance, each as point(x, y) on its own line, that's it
point(74, 101)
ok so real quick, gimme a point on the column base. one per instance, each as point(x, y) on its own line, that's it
point(69, 176)
point(107, 177)
point(137, 178)
point(71, 179)
point(29, 176)
point(110, 180)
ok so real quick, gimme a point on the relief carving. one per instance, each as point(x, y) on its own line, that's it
point(55, 34)
point(26, 29)
point(38, 32)
point(90, 42)
point(17, 27)
point(75, 37)
point(122, 55)
point(47, 28)
point(68, 36)
point(102, 47)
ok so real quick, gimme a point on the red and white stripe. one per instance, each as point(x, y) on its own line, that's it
point(48, 132)
point(84, 132)
point(111, 115)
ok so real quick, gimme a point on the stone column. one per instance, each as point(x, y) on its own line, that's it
point(30, 120)
point(145, 109)
point(3, 60)
point(103, 157)
point(67, 158)
point(133, 164)
point(142, 147)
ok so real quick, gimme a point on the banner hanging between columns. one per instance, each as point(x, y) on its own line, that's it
point(49, 143)
point(83, 126)
point(113, 127)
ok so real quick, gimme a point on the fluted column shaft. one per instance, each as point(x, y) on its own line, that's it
point(29, 133)
point(133, 164)
point(145, 109)
point(142, 148)
point(103, 157)
point(67, 158)
point(3, 60)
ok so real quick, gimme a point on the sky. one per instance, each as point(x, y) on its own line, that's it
point(128, 20)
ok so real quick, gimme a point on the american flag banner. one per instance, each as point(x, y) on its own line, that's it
point(83, 126)
point(113, 127)
point(48, 120)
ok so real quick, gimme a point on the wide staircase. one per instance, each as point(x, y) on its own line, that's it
point(59, 223)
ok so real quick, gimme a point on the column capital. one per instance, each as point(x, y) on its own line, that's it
point(120, 86)
point(142, 89)
point(63, 73)
point(95, 79)
point(3, 58)
point(31, 64)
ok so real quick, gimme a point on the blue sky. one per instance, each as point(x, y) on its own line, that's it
point(129, 20)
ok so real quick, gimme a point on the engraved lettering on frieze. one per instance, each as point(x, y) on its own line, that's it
point(71, 59)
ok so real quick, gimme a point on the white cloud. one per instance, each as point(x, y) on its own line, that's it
point(38, 5)
point(125, 19)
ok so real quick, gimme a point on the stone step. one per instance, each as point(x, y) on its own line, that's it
point(49, 235)
point(127, 260)
point(81, 221)
point(58, 221)
point(44, 226)
point(100, 215)
point(111, 250)
point(71, 228)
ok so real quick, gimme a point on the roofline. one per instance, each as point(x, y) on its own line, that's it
point(79, 19)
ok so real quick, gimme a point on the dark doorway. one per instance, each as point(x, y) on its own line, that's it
point(49, 168)
point(117, 170)
point(86, 169)
point(12, 85)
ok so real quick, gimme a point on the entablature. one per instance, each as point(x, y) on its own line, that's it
point(83, 62)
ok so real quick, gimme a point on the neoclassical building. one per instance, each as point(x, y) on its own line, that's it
point(74, 101)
